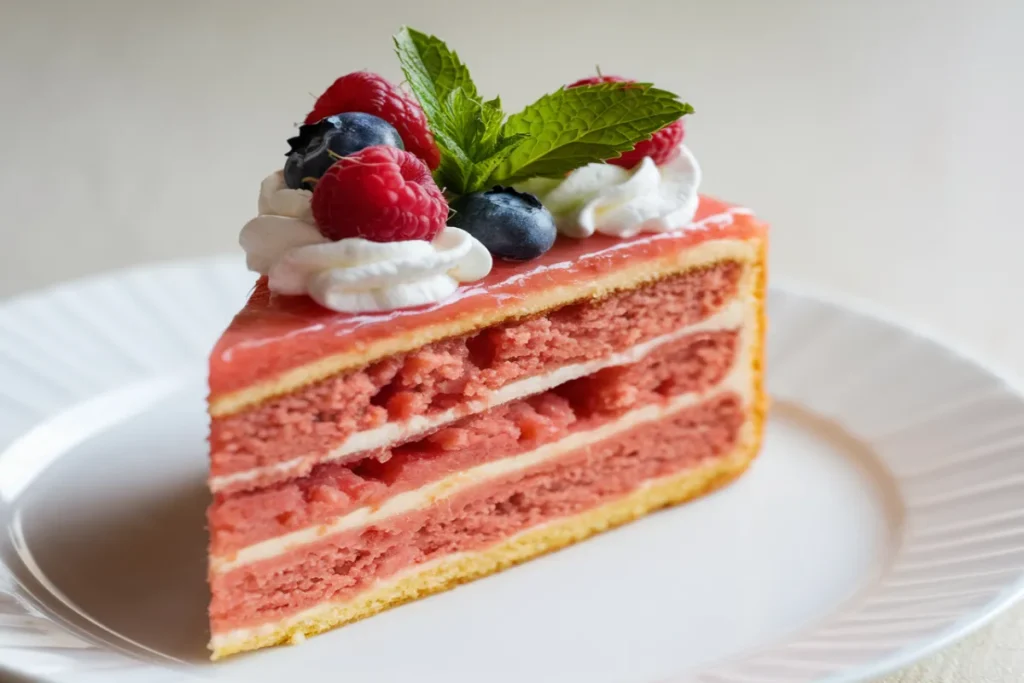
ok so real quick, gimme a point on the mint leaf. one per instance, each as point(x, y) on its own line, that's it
point(573, 127)
point(476, 126)
point(492, 120)
point(464, 127)
point(462, 120)
point(458, 130)
point(432, 70)
point(453, 173)
point(482, 170)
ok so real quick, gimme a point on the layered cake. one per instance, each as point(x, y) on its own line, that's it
point(474, 339)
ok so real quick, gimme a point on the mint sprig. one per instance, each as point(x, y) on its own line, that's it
point(573, 127)
point(433, 71)
point(469, 132)
point(556, 134)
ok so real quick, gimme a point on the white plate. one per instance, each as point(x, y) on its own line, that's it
point(883, 519)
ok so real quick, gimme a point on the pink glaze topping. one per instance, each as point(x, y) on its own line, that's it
point(274, 333)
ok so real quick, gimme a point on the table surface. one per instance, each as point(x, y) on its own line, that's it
point(882, 140)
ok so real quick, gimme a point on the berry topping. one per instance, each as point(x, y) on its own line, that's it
point(319, 145)
point(598, 80)
point(367, 92)
point(513, 226)
point(662, 147)
point(381, 193)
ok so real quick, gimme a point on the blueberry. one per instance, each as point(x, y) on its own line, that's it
point(513, 226)
point(318, 145)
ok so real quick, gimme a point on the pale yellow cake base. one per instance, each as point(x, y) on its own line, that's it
point(462, 567)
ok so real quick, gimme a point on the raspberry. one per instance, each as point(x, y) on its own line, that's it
point(597, 80)
point(662, 146)
point(380, 193)
point(370, 93)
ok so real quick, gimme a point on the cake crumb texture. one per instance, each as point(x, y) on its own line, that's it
point(456, 371)
point(464, 567)
point(692, 364)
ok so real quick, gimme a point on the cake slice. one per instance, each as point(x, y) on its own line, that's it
point(361, 461)
point(403, 406)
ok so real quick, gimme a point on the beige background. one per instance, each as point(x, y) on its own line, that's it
point(882, 139)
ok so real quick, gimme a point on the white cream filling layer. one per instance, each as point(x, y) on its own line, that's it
point(739, 381)
point(731, 316)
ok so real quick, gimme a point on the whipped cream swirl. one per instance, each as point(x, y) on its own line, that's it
point(622, 203)
point(353, 275)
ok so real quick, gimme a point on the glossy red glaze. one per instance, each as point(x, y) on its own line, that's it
point(276, 333)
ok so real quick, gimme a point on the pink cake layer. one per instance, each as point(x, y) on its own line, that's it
point(338, 567)
point(693, 363)
point(448, 374)
point(274, 334)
